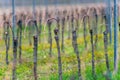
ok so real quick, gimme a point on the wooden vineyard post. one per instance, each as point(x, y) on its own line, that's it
point(108, 74)
point(49, 37)
point(7, 47)
point(35, 56)
point(36, 28)
point(84, 29)
point(20, 40)
point(15, 42)
point(93, 61)
point(77, 21)
point(58, 25)
point(59, 54)
point(77, 53)
point(72, 21)
point(7, 39)
point(106, 23)
point(63, 27)
point(72, 27)
point(35, 40)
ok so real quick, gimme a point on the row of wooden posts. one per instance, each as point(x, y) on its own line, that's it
point(18, 41)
